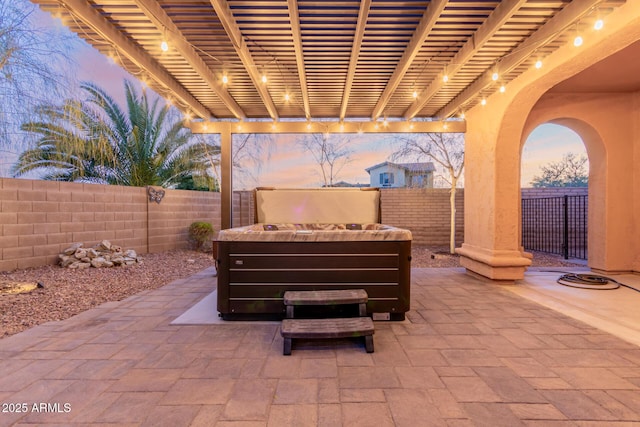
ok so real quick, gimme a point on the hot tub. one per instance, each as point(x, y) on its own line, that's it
point(259, 262)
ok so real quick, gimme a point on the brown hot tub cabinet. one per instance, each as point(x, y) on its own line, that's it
point(258, 263)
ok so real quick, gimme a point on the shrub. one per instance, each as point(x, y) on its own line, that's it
point(200, 233)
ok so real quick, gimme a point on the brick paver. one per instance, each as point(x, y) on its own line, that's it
point(470, 353)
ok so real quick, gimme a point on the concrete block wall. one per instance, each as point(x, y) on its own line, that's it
point(169, 220)
point(244, 208)
point(535, 193)
point(424, 211)
point(38, 219)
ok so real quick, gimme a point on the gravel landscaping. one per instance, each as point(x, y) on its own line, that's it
point(66, 293)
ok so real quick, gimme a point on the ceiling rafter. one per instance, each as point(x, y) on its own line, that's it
point(230, 26)
point(552, 28)
point(501, 14)
point(294, 17)
point(161, 20)
point(134, 53)
point(423, 29)
point(363, 13)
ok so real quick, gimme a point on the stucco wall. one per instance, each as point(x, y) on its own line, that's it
point(40, 218)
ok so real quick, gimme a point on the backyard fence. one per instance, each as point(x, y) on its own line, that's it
point(556, 225)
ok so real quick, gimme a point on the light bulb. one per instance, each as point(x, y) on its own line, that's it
point(225, 79)
point(445, 78)
point(502, 89)
point(462, 115)
point(264, 78)
point(483, 102)
point(538, 64)
point(287, 97)
point(598, 25)
point(164, 46)
point(577, 42)
point(495, 76)
point(415, 94)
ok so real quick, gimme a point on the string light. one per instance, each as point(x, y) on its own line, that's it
point(264, 78)
point(164, 46)
point(462, 115)
point(599, 24)
point(225, 79)
point(415, 94)
point(308, 125)
point(502, 89)
point(445, 78)
point(445, 126)
point(538, 64)
point(483, 102)
point(341, 127)
point(577, 41)
point(287, 97)
point(495, 76)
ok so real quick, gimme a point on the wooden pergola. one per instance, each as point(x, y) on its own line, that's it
point(299, 66)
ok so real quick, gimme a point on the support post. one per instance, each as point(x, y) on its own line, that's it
point(226, 187)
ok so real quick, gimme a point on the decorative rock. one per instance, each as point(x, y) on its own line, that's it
point(105, 245)
point(104, 254)
point(80, 253)
point(130, 253)
point(66, 261)
point(92, 253)
point(72, 249)
point(98, 262)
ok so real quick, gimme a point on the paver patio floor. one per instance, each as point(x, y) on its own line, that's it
point(469, 353)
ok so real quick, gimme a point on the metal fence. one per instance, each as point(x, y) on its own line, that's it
point(556, 225)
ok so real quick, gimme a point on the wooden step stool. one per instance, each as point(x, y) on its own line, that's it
point(326, 327)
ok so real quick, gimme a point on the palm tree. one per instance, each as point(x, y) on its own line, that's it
point(96, 141)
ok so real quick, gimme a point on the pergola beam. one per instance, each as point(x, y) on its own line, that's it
point(553, 27)
point(83, 11)
point(161, 20)
point(230, 26)
point(423, 29)
point(294, 18)
point(301, 127)
point(500, 15)
point(363, 14)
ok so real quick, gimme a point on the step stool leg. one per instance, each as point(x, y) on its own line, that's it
point(362, 309)
point(289, 312)
point(287, 347)
point(368, 343)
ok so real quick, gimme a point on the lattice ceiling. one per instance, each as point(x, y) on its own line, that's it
point(327, 59)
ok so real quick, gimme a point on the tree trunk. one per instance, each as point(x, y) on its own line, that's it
point(452, 205)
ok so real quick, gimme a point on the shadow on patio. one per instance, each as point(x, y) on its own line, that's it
point(470, 353)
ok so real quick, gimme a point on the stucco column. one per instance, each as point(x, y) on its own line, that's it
point(491, 245)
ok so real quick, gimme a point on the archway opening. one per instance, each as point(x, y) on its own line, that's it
point(554, 190)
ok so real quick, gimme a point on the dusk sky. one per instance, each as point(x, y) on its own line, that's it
point(288, 165)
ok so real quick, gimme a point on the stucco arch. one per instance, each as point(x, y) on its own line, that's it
point(608, 124)
point(597, 154)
